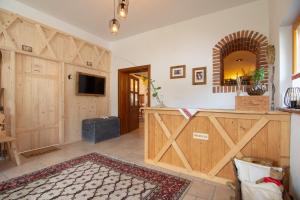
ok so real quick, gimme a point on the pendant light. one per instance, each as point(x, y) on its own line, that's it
point(123, 8)
point(114, 24)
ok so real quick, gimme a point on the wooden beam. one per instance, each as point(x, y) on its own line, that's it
point(13, 93)
point(46, 41)
point(6, 35)
point(223, 134)
point(99, 55)
point(190, 173)
point(239, 146)
point(169, 143)
point(173, 142)
point(61, 125)
point(77, 50)
point(146, 128)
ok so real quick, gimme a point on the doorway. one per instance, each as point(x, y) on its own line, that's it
point(133, 94)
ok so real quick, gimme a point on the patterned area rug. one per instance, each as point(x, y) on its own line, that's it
point(94, 176)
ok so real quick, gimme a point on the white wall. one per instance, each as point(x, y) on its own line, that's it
point(26, 11)
point(295, 161)
point(278, 11)
point(285, 58)
point(190, 43)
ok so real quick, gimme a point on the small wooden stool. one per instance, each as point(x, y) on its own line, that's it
point(11, 145)
point(10, 142)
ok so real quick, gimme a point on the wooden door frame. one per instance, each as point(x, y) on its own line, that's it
point(129, 70)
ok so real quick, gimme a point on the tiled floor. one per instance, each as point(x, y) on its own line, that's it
point(129, 147)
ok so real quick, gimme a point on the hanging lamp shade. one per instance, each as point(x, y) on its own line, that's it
point(123, 9)
point(114, 26)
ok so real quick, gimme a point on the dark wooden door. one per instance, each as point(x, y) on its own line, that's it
point(128, 97)
point(133, 103)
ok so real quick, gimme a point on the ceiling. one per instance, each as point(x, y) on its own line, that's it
point(144, 15)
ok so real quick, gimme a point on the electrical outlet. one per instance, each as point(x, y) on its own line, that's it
point(200, 136)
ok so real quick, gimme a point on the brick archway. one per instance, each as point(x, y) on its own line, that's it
point(239, 41)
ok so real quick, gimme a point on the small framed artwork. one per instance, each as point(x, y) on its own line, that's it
point(199, 76)
point(177, 71)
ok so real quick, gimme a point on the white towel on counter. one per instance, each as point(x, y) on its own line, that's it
point(188, 113)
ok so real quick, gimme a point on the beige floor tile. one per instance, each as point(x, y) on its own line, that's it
point(129, 147)
point(202, 190)
point(2, 178)
point(189, 197)
point(223, 193)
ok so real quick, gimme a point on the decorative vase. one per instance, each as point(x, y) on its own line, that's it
point(256, 90)
point(159, 101)
point(238, 84)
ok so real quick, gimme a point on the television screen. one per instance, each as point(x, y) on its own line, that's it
point(90, 84)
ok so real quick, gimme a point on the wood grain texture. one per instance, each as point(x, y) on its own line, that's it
point(77, 108)
point(252, 103)
point(39, 102)
point(49, 43)
point(230, 134)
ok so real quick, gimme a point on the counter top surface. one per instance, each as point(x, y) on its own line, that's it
point(277, 112)
point(290, 110)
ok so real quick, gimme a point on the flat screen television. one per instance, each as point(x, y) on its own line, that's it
point(90, 84)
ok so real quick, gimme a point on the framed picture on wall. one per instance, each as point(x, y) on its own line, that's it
point(177, 71)
point(199, 76)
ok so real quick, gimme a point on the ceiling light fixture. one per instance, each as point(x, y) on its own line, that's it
point(123, 8)
point(114, 24)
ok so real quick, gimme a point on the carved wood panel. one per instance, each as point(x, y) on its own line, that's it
point(20, 34)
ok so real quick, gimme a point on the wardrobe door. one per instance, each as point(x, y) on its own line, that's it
point(36, 103)
point(27, 127)
point(47, 102)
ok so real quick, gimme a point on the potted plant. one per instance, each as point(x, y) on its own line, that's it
point(257, 88)
point(155, 91)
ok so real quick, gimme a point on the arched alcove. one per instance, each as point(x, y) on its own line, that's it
point(241, 41)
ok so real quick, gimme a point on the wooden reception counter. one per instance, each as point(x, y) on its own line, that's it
point(205, 145)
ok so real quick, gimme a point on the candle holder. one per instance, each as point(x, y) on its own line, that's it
point(292, 98)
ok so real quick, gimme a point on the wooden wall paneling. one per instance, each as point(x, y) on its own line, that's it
point(7, 20)
point(12, 93)
point(146, 136)
point(77, 108)
point(243, 126)
point(259, 142)
point(192, 155)
point(285, 143)
point(218, 144)
point(250, 134)
point(26, 105)
point(37, 103)
point(53, 45)
point(273, 134)
point(199, 124)
point(231, 127)
point(151, 137)
point(178, 128)
point(233, 152)
point(47, 73)
point(171, 155)
point(184, 142)
point(61, 96)
point(77, 45)
point(50, 43)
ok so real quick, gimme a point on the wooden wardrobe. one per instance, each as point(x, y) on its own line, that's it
point(37, 100)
